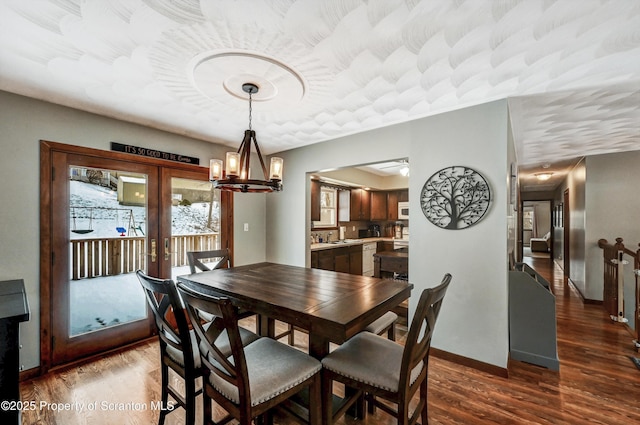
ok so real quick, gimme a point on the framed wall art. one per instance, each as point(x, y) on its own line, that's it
point(455, 198)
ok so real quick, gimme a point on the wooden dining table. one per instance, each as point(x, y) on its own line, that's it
point(330, 306)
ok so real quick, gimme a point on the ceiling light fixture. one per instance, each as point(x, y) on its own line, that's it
point(543, 176)
point(404, 170)
point(236, 176)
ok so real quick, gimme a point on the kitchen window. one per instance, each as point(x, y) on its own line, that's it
point(328, 208)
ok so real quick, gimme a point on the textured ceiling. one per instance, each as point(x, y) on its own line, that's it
point(328, 68)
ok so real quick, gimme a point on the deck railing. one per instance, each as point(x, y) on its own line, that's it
point(181, 244)
point(114, 256)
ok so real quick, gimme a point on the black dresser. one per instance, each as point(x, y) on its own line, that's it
point(14, 308)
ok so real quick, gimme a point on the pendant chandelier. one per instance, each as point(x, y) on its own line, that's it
point(236, 175)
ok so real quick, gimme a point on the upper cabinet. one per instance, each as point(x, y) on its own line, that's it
point(360, 205)
point(379, 209)
point(393, 197)
point(392, 205)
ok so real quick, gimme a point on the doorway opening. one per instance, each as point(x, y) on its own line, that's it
point(536, 229)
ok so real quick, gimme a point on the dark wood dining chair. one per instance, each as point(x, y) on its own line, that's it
point(220, 256)
point(255, 378)
point(223, 260)
point(372, 367)
point(178, 349)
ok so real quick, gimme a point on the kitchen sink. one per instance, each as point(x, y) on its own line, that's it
point(346, 241)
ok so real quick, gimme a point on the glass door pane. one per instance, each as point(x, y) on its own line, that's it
point(104, 225)
point(195, 220)
point(107, 240)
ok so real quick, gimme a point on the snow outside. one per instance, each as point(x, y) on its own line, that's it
point(96, 213)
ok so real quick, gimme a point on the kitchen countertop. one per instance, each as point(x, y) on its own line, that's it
point(347, 242)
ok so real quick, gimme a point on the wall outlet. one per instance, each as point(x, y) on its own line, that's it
point(246, 227)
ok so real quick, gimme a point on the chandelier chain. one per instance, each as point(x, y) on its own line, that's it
point(250, 97)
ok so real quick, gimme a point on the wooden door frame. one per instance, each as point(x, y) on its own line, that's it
point(520, 242)
point(566, 223)
point(47, 149)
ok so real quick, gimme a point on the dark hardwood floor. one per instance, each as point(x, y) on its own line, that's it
point(597, 382)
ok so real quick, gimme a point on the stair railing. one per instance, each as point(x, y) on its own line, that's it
point(613, 293)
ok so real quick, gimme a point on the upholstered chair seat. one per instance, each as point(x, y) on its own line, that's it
point(385, 323)
point(273, 368)
point(222, 342)
point(372, 360)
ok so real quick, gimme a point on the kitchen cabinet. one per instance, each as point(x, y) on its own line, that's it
point(360, 205)
point(345, 259)
point(384, 246)
point(379, 206)
point(355, 259)
point(392, 205)
point(324, 259)
point(341, 259)
point(393, 197)
point(315, 200)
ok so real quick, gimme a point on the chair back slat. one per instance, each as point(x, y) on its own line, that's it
point(418, 343)
point(195, 260)
point(232, 369)
point(163, 300)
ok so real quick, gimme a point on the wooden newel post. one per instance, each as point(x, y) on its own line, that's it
point(619, 262)
point(613, 277)
point(609, 295)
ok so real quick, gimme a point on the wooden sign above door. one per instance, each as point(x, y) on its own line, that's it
point(154, 153)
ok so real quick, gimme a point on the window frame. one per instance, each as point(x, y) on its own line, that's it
point(335, 207)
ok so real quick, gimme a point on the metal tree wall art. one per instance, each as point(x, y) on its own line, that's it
point(455, 198)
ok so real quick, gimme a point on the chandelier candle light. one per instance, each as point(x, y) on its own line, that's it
point(236, 175)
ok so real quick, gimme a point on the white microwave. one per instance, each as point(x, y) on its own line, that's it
point(403, 211)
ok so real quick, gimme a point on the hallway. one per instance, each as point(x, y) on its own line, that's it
point(597, 381)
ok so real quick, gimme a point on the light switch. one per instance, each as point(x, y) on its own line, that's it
point(246, 227)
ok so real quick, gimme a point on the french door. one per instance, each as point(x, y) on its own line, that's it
point(197, 218)
point(105, 215)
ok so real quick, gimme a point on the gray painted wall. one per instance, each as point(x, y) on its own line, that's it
point(604, 204)
point(23, 122)
point(473, 321)
point(612, 210)
point(575, 183)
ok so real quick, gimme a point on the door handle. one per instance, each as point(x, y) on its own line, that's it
point(153, 251)
point(167, 253)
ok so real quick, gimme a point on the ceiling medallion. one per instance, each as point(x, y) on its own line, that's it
point(455, 198)
point(236, 176)
point(218, 74)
